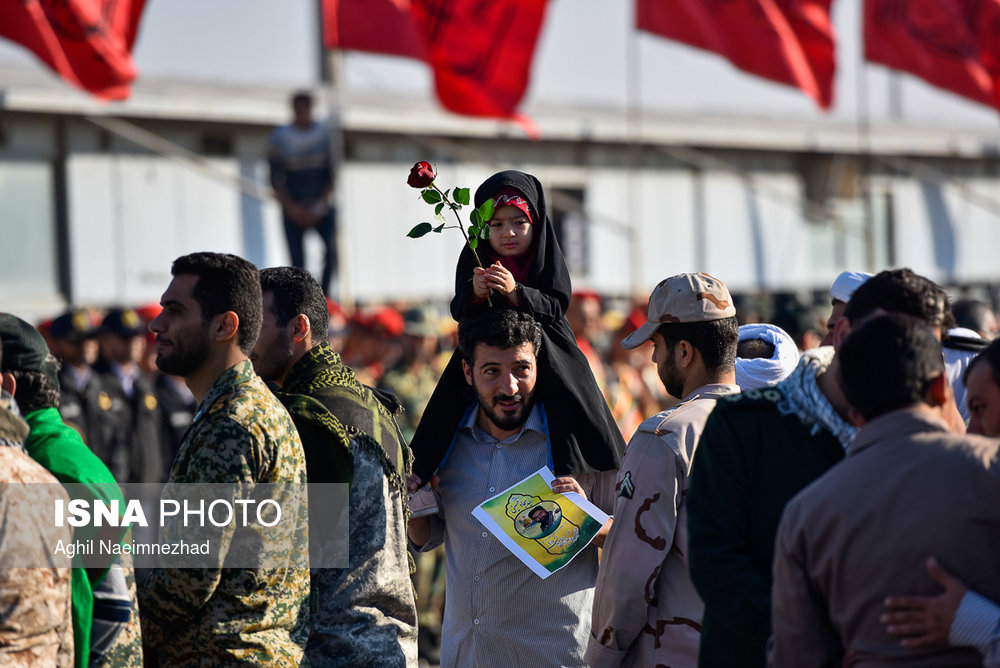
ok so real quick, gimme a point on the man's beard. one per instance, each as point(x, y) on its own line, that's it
point(274, 363)
point(502, 419)
point(672, 381)
point(186, 356)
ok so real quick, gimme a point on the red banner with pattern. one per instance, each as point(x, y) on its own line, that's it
point(788, 41)
point(951, 44)
point(480, 50)
point(87, 42)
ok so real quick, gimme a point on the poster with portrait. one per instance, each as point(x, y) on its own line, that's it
point(543, 529)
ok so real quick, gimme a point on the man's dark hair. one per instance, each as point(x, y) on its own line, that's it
point(498, 327)
point(971, 314)
point(225, 283)
point(715, 340)
point(37, 389)
point(296, 291)
point(887, 363)
point(900, 291)
point(302, 96)
point(750, 349)
point(990, 355)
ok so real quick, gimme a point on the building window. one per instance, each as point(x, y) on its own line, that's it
point(28, 249)
point(571, 227)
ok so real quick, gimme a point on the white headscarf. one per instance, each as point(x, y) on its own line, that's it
point(955, 363)
point(759, 372)
point(846, 283)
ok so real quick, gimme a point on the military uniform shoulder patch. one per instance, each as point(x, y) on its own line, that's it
point(626, 488)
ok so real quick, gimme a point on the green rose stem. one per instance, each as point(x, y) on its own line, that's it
point(422, 176)
point(454, 210)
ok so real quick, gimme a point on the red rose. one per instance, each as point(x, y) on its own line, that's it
point(421, 175)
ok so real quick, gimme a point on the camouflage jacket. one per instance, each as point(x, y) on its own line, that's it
point(646, 611)
point(413, 385)
point(224, 616)
point(318, 387)
point(35, 617)
point(103, 636)
point(365, 614)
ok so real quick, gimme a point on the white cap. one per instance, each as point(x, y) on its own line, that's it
point(845, 284)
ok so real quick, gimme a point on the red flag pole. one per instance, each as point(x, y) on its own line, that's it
point(331, 77)
point(865, 143)
point(633, 120)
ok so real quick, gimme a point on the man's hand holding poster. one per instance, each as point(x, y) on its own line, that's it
point(543, 529)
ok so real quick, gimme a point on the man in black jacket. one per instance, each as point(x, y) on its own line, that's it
point(365, 613)
point(84, 398)
point(133, 398)
point(758, 450)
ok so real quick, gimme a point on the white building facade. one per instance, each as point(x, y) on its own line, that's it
point(657, 159)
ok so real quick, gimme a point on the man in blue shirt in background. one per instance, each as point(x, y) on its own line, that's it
point(302, 178)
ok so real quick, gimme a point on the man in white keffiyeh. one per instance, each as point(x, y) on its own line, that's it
point(840, 293)
point(765, 356)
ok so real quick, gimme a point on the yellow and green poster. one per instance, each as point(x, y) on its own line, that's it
point(543, 529)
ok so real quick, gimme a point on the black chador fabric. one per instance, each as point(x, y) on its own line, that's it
point(582, 431)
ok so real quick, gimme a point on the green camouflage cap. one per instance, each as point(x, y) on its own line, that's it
point(24, 348)
point(683, 298)
point(420, 321)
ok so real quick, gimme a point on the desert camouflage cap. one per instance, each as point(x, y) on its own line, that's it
point(683, 298)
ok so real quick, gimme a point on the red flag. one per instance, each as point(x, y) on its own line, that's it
point(87, 42)
point(952, 44)
point(480, 52)
point(382, 26)
point(788, 41)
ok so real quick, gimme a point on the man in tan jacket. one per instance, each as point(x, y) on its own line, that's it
point(908, 488)
point(646, 611)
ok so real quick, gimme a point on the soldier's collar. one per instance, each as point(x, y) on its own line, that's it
point(239, 372)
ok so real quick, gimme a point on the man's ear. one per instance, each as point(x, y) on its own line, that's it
point(938, 391)
point(840, 331)
point(226, 327)
point(301, 328)
point(8, 382)
point(687, 353)
point(468, 372)
point(856, 418)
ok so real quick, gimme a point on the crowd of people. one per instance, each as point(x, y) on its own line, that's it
point(773, 501)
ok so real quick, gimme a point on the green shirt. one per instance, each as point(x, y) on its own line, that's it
point(60, 450)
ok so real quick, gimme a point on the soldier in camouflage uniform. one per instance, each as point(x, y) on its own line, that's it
point(412, 380)
point(646, 611)
point(35, 615)
point(104, 603)
point(240, 434)
point(362, 615)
